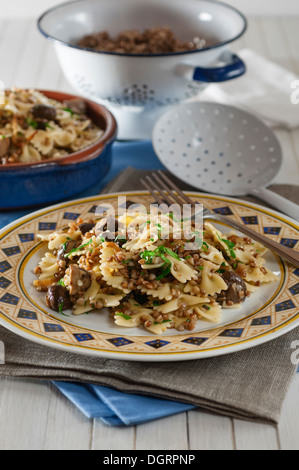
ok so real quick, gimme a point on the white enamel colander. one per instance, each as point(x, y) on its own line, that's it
point(140, 85)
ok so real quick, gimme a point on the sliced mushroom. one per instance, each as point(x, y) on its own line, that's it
point(80, 280)
point(109, 224)
point(43, 111)
point(129, 204)
point(42, 124)
point(140, 298)
point(58, 298)
point(76, 105)
point(66, 248)
point(4, 146)
point(111, 229)
point(86, 227)
point(237, 290)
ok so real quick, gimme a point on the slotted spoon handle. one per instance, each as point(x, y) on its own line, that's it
point(285, 252)
point(277, 202)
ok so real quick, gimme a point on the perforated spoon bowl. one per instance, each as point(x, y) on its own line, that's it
point(222, 150)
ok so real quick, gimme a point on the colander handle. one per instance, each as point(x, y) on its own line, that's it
point(233, 67)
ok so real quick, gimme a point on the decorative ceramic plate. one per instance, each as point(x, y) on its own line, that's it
point(270, 312)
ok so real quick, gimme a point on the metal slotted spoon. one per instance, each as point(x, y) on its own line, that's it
point(222, 150)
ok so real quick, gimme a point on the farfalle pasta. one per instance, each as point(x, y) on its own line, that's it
point(35, 128)
point(149, 272)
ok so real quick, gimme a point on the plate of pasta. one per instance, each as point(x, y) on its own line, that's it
point(135, 284)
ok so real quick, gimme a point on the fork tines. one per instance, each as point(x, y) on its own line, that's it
point(164, 191)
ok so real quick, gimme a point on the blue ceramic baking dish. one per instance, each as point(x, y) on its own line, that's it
point(32, 184)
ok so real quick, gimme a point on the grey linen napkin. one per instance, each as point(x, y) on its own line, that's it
point(250, 385)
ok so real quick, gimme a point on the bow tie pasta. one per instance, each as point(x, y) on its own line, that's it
point(147, 279)
point(35, 128)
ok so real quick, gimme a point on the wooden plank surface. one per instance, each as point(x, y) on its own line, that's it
point(33, 414)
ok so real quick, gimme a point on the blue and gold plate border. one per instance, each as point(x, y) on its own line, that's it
point(25, 317)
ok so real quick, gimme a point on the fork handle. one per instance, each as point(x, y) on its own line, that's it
point(285, 252)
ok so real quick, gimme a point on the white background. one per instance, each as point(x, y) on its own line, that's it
point(33, 8)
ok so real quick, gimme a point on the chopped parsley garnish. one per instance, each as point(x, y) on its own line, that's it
point(205, 246)
point(78, 249)
point(121, 314)
point(236, 263)
point(171, 216)
point(156, 303)
point(221, 271)
point(230, 246)
point(69, 110)
point(60, 308)
point(207, 307)
point(171, 253)
point(61, 283)
point(164, 321)
point(31, 123)
point(65, 243)
point(148, 256)
point(120, 237)
point(166, 269)
point(198, 240)
point(159, 230)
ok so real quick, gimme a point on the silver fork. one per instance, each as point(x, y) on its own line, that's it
point(164, 191)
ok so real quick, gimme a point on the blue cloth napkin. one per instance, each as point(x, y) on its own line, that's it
point(118, 408)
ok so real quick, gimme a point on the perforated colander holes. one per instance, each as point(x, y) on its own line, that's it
point(84, 85)
point(143, 94)
point(138, 94)
point(192, 90)
point(168, 101)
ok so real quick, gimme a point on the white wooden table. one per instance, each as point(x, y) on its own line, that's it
point(33, 414)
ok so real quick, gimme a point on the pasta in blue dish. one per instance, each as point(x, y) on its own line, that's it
point(35, 128)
